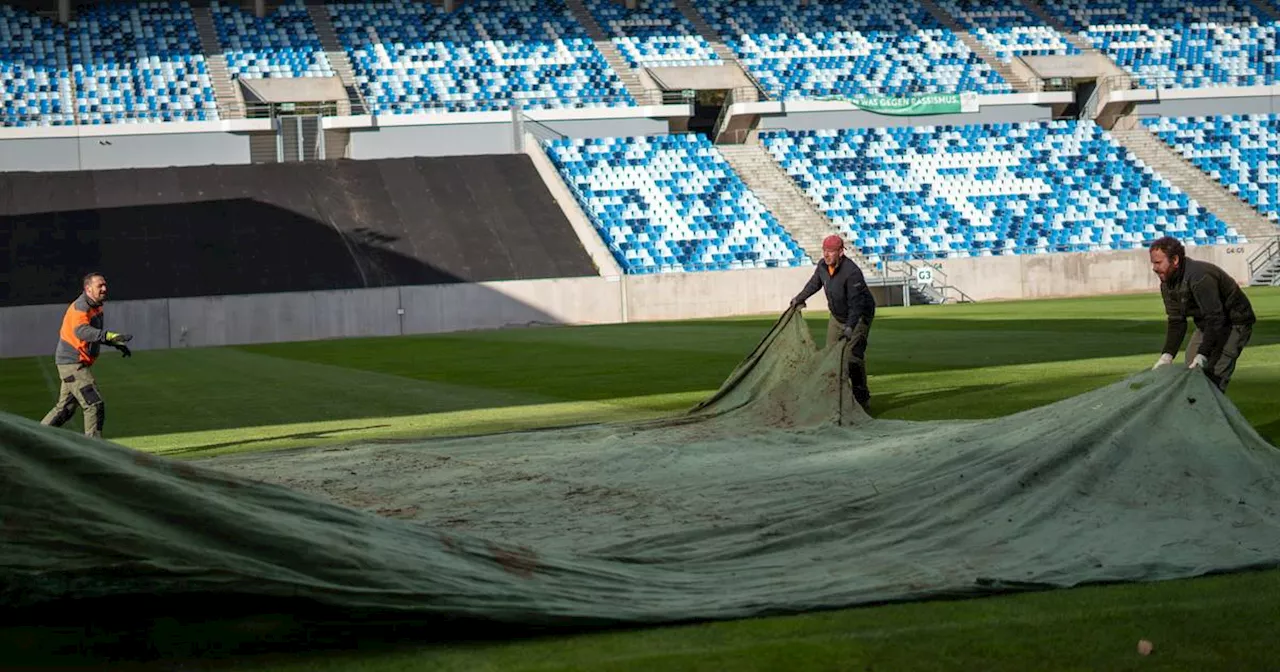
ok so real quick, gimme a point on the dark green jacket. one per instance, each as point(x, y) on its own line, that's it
point(1211, 298)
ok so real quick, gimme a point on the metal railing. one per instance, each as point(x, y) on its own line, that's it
point(260, 110)
point(1266, 258)
point(1130, 82)
point(1090, 108)
point(934, 281)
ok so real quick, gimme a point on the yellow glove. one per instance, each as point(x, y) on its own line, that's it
point(113, 337)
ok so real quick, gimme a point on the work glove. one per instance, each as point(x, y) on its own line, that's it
point(113, 337)
point(124, 349)
point(1198, 362)
point(1165, 359)
point(848, 333)
point(796, 302)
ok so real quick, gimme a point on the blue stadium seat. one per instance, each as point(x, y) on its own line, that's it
point(282, 44)
point(671, 203)
point(961, 191)
point(1241, 151)
point(414, 57)
point(653, 35)
point(139, 62)
point(1008, 29)
point(848, 48)
point(35, 87)
point(1179, 43)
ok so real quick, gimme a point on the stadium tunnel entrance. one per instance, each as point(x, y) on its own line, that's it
point(711, 90)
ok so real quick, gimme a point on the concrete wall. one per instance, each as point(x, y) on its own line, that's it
point(1084, 274)
point(229, 320)
point(681, 296)
point(812, 121)
point(602, 128)
point(1195, 107)
point(391, 142)
point(483, 138)
point(123, 151)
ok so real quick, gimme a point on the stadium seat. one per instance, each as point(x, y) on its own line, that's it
point(415, 57)
point(35, 86)
point(1179, 43)
point(961, 191)
point(671, 203)
point(653, 35)
point(282, 44)
point(1008, 29)
point(848, 48)
point(139, 62)
point(1241, 151)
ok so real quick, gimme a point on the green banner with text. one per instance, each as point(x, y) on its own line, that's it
point(907, 106)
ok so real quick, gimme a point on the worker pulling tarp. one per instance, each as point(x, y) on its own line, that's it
point(776, 495)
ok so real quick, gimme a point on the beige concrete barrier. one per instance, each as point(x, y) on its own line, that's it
point(301, 316)
point(1043, 276)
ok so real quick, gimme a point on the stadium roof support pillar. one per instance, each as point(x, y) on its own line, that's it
point(449, 5)
point(64, 11)
point(631, 4)
point(259, 8)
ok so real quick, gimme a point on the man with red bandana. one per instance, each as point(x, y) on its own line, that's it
point(852, 308)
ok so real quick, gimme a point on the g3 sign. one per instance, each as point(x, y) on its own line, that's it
point(924, 275)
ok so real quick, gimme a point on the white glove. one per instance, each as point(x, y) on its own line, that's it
point(1165, 358)
point(1198, 362)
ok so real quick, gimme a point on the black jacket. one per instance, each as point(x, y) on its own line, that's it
point(1211, 298)
point(848, 298)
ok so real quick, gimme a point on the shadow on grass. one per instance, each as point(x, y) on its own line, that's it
point(299, 436)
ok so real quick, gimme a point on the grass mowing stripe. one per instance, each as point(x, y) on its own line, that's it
point(202, 444)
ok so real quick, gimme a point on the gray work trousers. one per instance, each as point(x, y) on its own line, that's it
point(1222, 362)
point(79, 389)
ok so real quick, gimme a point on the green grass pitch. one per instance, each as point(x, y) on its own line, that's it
point(926, 363)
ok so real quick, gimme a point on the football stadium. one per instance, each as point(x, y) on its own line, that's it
point(639, 335)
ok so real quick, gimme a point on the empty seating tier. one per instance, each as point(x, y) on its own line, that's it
point(282, 44)
point(34, 88)
point(1241, 151)
point(414, 57)
point(1007, 29)
point(671, 203)
point(653, 35)
point(960, 191)
point(848, 48)
point(1179, 43)
point(139, 62)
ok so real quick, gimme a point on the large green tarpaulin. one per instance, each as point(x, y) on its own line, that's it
point(770, 497)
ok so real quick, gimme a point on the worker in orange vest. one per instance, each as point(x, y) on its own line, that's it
point(79, 340)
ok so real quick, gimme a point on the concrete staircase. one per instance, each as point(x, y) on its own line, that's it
point(354, 105)
point(778, 192)
point(230, 102)
point(630, 78)
point(717, 43)
point(1197, 184)
point(1020, 83)
point(1268, 275)
point(1036, 8)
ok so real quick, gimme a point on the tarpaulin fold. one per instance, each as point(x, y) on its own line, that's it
point(775, 495)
